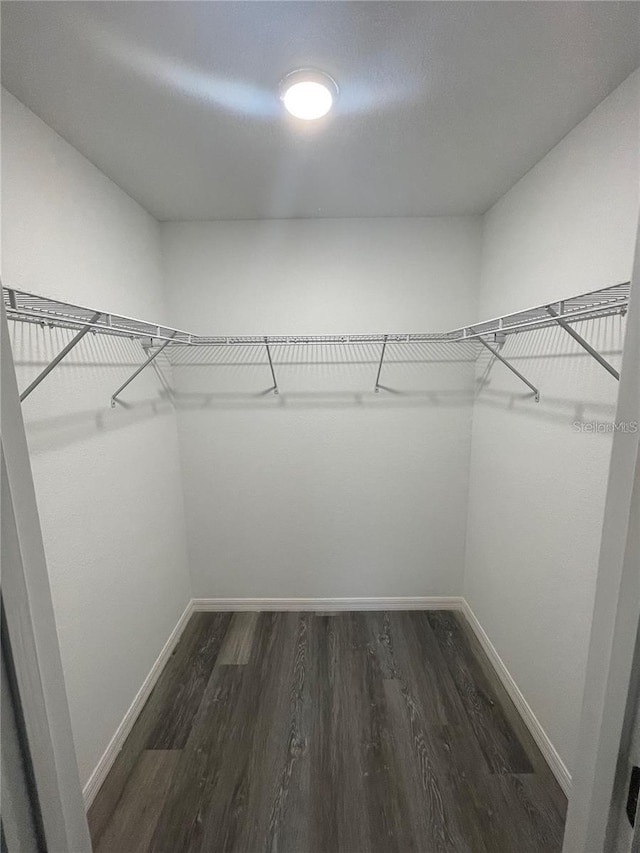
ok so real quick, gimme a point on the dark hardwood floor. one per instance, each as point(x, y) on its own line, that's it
point(328, 733)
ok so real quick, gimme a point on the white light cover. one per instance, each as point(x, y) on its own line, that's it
point(307, 99)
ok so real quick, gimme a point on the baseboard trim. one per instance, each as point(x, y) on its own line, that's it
point(556, 764)
point(115, 745)
point(411, 603)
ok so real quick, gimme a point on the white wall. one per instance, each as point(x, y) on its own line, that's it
point(537, 486)
point(107, 481)
point(327, 490)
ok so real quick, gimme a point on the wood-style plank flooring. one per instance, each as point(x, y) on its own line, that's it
point(328, 733)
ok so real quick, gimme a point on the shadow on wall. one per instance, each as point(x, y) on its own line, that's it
point(573, 386)
point(73, 403)
point(324, 375)
point(324, 400)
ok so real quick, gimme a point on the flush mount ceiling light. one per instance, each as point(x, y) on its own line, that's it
point(308, 94)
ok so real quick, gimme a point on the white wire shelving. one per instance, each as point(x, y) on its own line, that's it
point(25, 307)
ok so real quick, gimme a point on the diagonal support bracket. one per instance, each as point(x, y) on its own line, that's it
point(163, 379)
point(273, 374)
point(63, 352)
point(156, 353)
point(536, 393)
point(384, 347)
point(584, 344)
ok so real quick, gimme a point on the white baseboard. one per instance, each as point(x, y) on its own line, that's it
point(557, 765)
point(111, 752)
point(412, 603)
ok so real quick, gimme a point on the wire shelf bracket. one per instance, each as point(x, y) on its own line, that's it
point(169, 391)
point(154, 354)
point(63, 352)
point(273, 374)
point(584, 344)
point(384, 347)
point(496, 354)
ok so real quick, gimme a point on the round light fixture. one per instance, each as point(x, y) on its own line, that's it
point(308, 94)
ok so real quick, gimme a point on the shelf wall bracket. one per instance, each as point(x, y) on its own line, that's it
point(273, 374)
point(163, 379)
point(156, 353)
point(384, 346)
point(536, 393)
point(63, 352)
point(584, 344)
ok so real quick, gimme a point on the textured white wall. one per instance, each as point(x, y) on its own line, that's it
point(327, 490)
point(537, 486)
point(107, 481)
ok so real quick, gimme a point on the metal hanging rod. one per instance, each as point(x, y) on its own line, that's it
point(25, 307)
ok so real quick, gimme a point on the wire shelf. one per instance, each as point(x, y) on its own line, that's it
point(25, 307)
point(587, 306)
point(29, 308)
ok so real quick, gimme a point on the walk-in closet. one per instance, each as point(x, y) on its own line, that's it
point(320, 405)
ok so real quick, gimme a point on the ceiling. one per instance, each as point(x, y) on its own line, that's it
point(442, 107)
